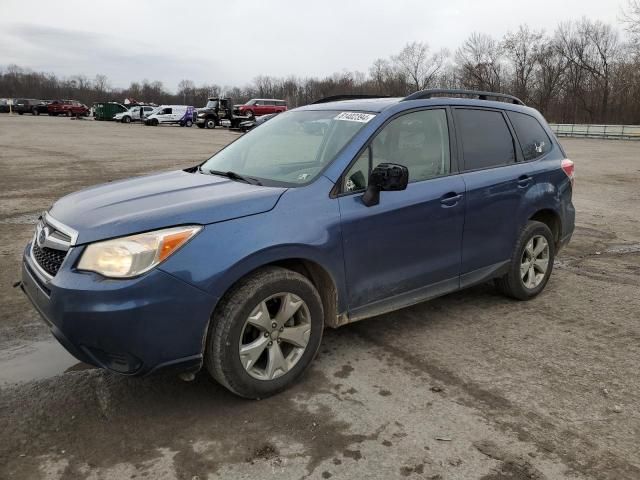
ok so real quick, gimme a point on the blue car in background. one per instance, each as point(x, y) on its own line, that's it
point(325, 215)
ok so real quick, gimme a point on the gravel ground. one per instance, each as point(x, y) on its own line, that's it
point(468, 386)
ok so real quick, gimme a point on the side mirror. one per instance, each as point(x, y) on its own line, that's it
point(385, 177)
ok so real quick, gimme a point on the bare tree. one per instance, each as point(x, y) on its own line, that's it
point(630, 17)
point(418, 65)
point(591, 49)
point(522, 50)
point(479, 60)
point(549, 75)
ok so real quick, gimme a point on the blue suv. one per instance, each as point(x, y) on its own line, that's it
point(325, 215)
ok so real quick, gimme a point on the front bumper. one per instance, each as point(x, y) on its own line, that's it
point(131, 327)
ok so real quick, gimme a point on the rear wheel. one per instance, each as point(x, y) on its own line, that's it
point(69, 113)
point(188, 123)
point(265, 333)
point(531, 263)
point(35, 111)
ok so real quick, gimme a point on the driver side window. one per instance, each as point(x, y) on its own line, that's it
point(417, 140)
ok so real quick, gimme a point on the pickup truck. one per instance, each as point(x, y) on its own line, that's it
point(70, 108)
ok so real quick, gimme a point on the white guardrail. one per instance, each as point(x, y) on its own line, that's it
point(619, 132)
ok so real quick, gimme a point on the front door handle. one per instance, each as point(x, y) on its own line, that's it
point(524, 181)
point(450, 199)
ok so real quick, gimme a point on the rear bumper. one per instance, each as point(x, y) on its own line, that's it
point(132, 327)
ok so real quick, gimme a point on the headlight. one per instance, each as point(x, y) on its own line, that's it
point(130, 256)
point(201, 114)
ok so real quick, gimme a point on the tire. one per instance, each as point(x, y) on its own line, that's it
point(200, 125)
point(68, 113)
point(210, 123)
point(188, 123)
point(35, 112)
point(154, 122)
point(126, 119)
point(249, 113)
point(524, 283)
point(20, 113)
point(231, 328)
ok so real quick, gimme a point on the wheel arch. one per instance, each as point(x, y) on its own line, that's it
point(314, 271)
point(552, 220)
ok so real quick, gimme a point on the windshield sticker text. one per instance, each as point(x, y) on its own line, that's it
point(354, 117)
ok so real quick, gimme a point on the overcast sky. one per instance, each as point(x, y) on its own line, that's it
point(230, 42)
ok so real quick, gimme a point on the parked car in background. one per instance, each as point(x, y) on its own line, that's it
point(107, 111)
point(134, 114)
point(262, 106)
point(4, 104)
point(182, 115)
point(42, 107)
point(70, 108)
point(250, 123)
point(325, 215)
point(28, 105)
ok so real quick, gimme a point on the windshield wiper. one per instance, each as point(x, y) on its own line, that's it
point(234, 176)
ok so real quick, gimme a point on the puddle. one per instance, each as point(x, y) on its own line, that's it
point(632, 248)
point(36, 361)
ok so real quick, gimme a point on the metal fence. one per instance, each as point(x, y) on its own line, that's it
point(614, 132)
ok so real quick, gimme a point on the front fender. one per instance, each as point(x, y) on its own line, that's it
point(305, 224)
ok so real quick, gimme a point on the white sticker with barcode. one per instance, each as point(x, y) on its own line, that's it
point(354, 117)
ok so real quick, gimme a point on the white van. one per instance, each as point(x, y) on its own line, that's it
point(168, 114)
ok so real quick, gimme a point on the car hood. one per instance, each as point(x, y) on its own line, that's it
point(157, 201)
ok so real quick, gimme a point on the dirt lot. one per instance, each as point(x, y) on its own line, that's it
point(469, 386)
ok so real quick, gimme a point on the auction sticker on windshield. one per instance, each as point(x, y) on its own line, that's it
point(354, 117)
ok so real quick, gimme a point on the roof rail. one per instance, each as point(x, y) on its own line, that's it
point(422, 94)
point(337, 98)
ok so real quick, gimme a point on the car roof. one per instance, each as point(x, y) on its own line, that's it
point(378, 105)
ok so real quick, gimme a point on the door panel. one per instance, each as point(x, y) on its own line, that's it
point(491, 223)
point(408, 241)
point(495, 187)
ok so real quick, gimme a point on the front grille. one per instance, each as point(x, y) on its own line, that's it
point(48, 258)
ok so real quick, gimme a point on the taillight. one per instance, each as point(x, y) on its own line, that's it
point(569, 168)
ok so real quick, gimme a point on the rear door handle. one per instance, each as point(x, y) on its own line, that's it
point(524, 180)
point(450, 199)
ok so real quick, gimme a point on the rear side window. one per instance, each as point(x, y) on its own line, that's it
point(533, 139)
point(486, 139)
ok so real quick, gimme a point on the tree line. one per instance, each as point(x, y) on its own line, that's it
point(583, 72)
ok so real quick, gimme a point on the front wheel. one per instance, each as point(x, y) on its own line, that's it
point(188, 123)
point(531, 263)
point(69, 113)
point(265, 333)
point(35, 112)
point(210, 123)
point(126, 119)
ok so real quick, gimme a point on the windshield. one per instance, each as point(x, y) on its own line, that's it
point(291, 148)
point(211, 104)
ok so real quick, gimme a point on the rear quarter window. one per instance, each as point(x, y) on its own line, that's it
point(534, 141)
point(486, 138)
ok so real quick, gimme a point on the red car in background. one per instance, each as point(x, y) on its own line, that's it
point(70, 108)
point(262, 106)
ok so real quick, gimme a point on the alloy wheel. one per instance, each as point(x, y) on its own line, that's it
point(275, 336)
point(534, 262)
